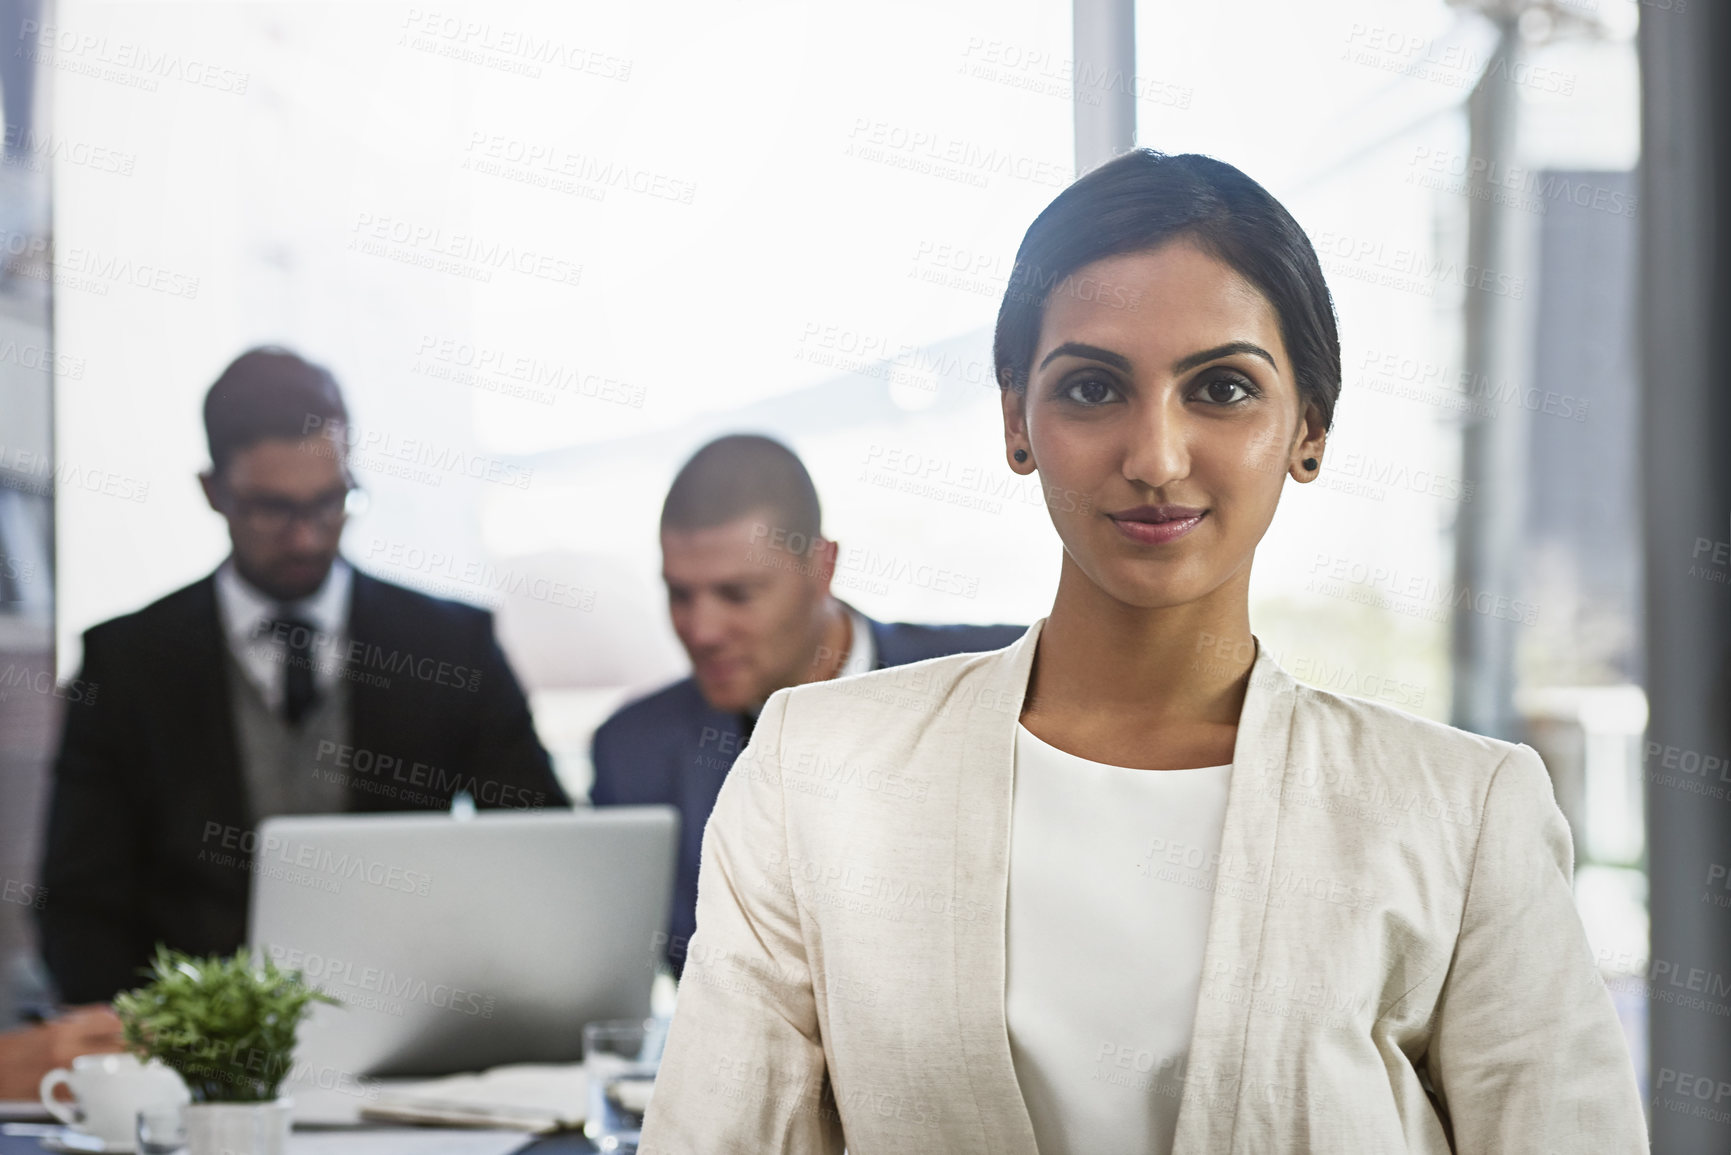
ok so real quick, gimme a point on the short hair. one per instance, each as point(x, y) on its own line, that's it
point(739, 474)
point(1140, 201)
point(268, 393)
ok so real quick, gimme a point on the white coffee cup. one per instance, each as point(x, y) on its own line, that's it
point(108, 1091)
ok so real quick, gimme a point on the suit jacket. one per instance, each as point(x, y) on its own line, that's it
point(149, 836)
point(672, 748)
point(1393, 959)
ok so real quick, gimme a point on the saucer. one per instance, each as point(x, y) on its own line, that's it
point(66, 1139)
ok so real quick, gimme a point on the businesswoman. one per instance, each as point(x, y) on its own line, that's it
point(1126, 886)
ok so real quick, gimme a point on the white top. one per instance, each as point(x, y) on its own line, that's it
point(260, 652)
point(861, 654)
point(1111, 884)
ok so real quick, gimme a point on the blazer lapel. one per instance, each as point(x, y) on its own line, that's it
point(1213, 1081)
point(207, 717)
point(370, 721)
point(993, 697)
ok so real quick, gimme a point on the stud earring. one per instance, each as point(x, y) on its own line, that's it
point(1310, 463)
point(1021, 455)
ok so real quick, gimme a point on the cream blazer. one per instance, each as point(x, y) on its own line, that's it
point(1393, 959)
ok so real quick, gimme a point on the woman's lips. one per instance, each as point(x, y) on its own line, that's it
point(1141, 529)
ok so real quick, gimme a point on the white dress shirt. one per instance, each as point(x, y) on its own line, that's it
point(861, 654)
point(262, 653)
point(1111, 885)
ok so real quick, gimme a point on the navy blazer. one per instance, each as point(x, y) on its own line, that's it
point(149, 831)
point(673, 748)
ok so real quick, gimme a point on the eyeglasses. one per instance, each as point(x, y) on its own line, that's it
point(271, 515)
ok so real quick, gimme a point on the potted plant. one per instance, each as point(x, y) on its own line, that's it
point(228, 1027)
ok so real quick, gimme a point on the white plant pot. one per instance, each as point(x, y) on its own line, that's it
point(239, 1128)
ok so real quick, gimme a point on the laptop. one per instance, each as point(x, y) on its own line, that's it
point(461, 943)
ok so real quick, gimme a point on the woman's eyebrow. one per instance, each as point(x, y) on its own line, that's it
point(1077, 349)
point(1220, 351)
point(1122, 363)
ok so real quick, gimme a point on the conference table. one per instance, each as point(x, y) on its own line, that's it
point(323, 1122)
point(572, 1143)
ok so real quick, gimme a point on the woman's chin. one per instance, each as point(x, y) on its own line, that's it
point(1145, 591)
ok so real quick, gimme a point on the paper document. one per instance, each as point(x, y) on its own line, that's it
point(535, 1097)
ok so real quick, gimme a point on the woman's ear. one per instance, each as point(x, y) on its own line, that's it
point(1305, 462)
point(1015, 407)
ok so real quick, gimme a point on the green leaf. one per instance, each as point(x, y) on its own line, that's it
point(227, 1026)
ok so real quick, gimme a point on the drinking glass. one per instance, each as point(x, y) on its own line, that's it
point(620, 1058)
point(162, 1130)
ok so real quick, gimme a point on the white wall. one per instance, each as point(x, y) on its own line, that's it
point(822, 186)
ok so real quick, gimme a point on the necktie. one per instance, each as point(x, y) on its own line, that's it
point(299, 693)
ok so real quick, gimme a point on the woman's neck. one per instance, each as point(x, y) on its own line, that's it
point(1100, 660)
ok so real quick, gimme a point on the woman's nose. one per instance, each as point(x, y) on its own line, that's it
point(1159, 449)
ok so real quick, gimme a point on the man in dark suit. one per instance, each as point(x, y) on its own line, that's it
point(286, 682)
point(748, 576)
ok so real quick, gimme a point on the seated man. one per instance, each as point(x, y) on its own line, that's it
point(287, 682)
point(748, 576)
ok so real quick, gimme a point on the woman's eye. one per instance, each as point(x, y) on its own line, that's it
point(1090, 390)
point(1227, 390)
